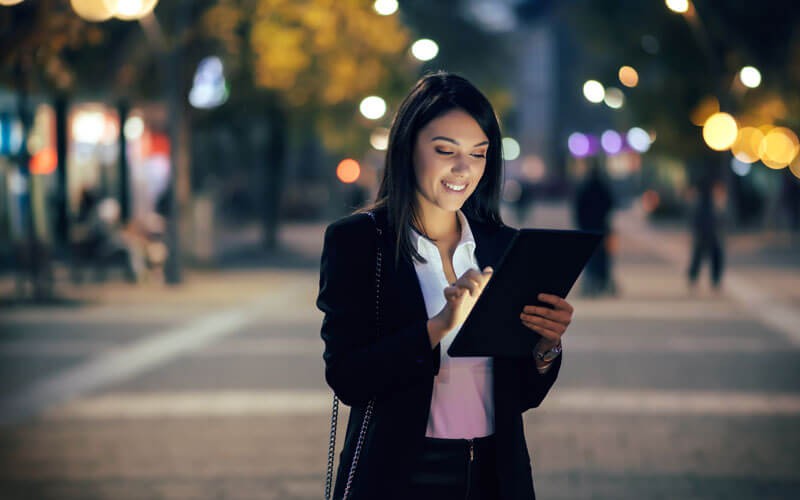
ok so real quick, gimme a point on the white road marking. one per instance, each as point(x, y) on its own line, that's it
point(318, 402)
point(130, 360)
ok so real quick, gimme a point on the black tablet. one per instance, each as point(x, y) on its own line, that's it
point(536, 261)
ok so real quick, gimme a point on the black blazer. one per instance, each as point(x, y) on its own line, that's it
point(398, 368)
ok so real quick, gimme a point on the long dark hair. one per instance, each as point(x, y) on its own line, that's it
point(434, 95)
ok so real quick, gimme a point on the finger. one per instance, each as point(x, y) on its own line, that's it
point(560, 328)
point(561, 316)
point(556, 301)
point(471, 286)
point(544, 332)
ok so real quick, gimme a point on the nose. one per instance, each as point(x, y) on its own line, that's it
point(460, 166)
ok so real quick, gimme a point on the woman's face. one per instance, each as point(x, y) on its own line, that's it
point(449, 161)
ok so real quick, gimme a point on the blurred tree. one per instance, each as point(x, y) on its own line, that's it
point(310, 63)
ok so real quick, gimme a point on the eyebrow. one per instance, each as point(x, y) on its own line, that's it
point(443, 138)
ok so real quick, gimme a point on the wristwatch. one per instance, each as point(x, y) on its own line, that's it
point(548, 356)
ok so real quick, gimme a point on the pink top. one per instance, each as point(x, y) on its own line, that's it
point(462, 405)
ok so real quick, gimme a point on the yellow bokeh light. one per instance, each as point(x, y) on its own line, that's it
point(94, 10)
point(628, 76)
point(748, 142)
point(720, 131)
point(779, 147)
point(704, 109)
point(348, 170)
point(795, 167)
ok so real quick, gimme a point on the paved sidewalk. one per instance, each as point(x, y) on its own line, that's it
point(663, 394)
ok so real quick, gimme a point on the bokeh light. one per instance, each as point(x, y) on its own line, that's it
point(779, 148)
point(348, 171)
point(678, 6)
point(512, 191)
point(424, 49)
point(88, 126)
point(594, 91)
point(628, 76)
point(750, 77)
point(578, 144)
point(638, 139)
point(511, 149)
point(720, 131)
point(795, 167)
point(740, 168)
point(748, 142)
point(373, 107)
point(650, 200)
point(9, 3)
point(134, 127)
point(130, 10)
point(707, 106)
point(385, 7)
point(533, 168)
point(611, 142)
point(44, 161)
point(614, 98)
point(94, 10)
point(379, 139)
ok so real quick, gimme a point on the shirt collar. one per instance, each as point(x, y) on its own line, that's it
point(428, 249)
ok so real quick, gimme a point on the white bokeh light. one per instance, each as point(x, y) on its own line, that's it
point(750, 77)
point(614, 98)
point(638, 139)
point(134, 128)
point(511, 149)
point(594, 91)
point(385, 7)
point(373, 107)
point(379, 139)
point(424, 49)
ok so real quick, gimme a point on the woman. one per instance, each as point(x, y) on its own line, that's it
point(442, 427)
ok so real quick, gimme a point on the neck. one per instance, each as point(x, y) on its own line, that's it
point(438, 224)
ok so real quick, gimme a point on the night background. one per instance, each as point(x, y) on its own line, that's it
point(168, 168)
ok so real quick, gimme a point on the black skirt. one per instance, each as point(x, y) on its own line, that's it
point(455, 469)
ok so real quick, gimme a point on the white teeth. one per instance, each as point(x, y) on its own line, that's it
point(455, 187)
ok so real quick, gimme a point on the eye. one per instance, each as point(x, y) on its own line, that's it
point(479, 155)
point(443, 151)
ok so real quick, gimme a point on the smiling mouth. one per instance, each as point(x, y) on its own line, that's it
point(456, 188)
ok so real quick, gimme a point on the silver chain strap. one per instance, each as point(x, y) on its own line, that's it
point(362, 434)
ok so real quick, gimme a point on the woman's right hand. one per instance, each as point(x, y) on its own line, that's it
point(461, 297)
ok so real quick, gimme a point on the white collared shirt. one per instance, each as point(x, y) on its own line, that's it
point(462, 405)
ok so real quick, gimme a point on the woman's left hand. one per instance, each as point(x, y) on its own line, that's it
point(551, 324)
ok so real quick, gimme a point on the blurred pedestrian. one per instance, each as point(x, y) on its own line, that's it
point(397, 280)
point(594, 202)
point(707, 225)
